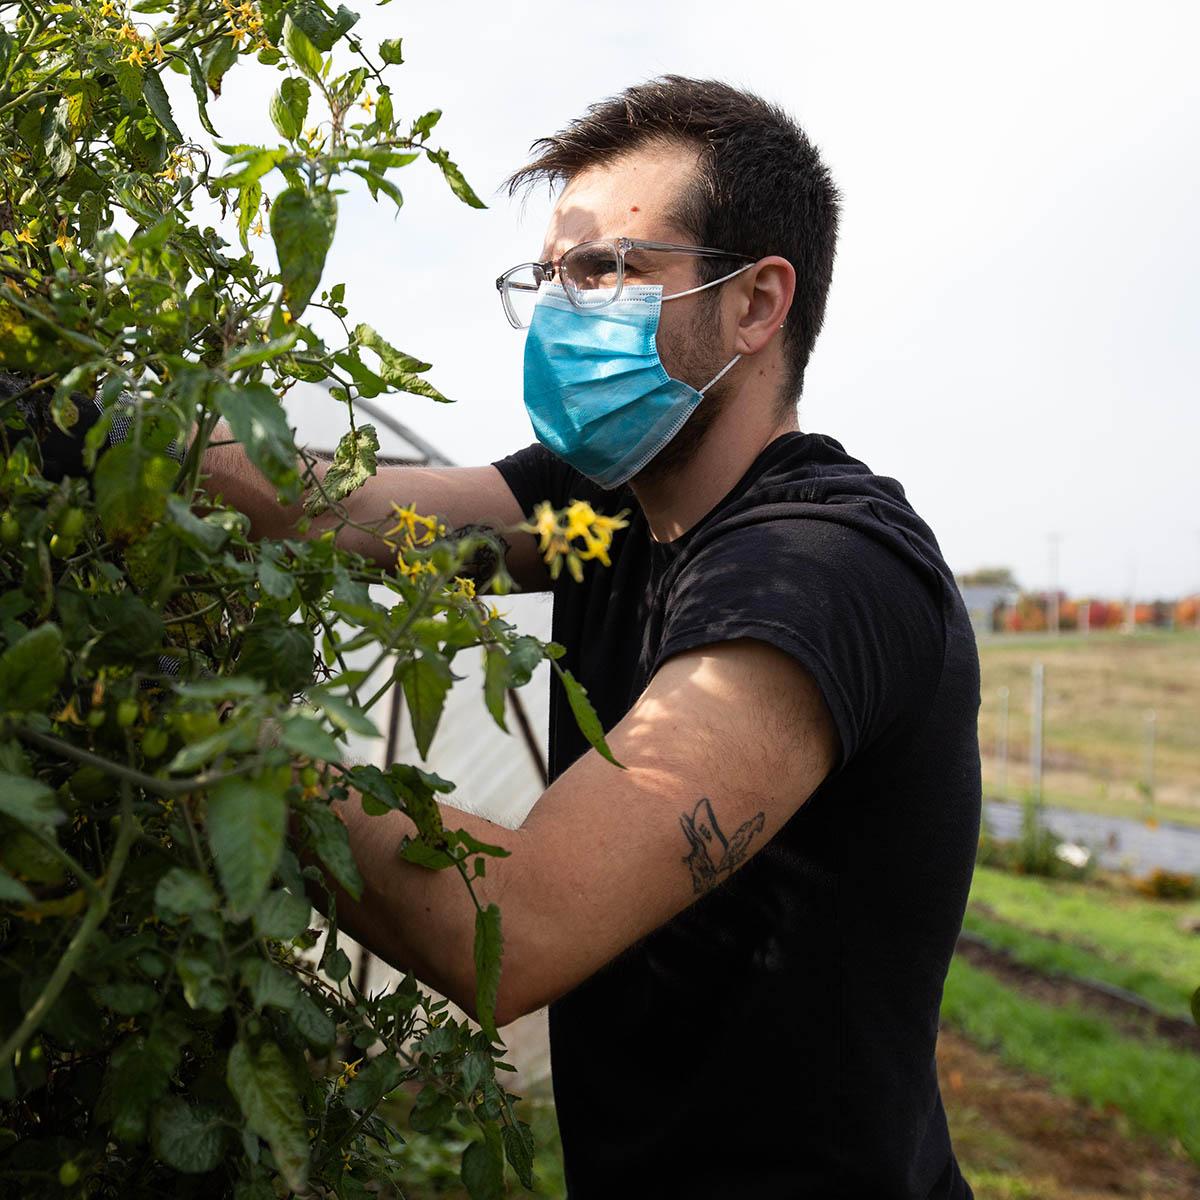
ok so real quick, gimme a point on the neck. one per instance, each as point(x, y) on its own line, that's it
point(675, 502)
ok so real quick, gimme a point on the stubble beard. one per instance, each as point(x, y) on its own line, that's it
point(694, 352)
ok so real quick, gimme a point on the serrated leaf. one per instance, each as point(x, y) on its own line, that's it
point(57, 141)
point(246, 823)
point(249, 199)
point(585, 714)
point(392, 361)
point(282, 915)
point(426, 682)
point(160, 104)
point(29, 801)
point(181, 892)
point(257, 419)
point(301, 50)
point(457, 181)
point(353, 464)
point(260, 1080)
point(190, 1138)
point(31, 668)
point(132, 485)
point(139, 1073)
point(199, 90)
point(289, 107)
point(518, 1149)
point(380, 1076)
point(482, 1169)
point(306, 735)
point(302, 226)
point(489, 945)
point(331, 842)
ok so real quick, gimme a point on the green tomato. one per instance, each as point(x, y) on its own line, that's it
point(68, 1174)
point(154, 741)
point(309, 777)
point(62, 546)
point(127, 712)
point(96, 717)
point(70, 524)
point(10, 529)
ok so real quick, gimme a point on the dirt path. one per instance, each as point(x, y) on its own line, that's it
point(1017, 1140)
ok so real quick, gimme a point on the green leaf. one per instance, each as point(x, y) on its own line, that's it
point(422, 854)
point(313, 1023)
point(331, 842)
point(29, 801)
point(132, 485)
point(390, 51)
point(246, 823)
point(56, 138)
point(256, 417)
point(270, 1102)
point(181, 892)
point(302, 225)
point(189, 1138)
point(269, 985)
point(483, 1167)
point(301, 50)
point(380, 1076)
point(423, 125)
point(457, 181)
point(13, 891)
point(126, 997)
point(343, 714)
point(495, 683)
point(310, 16)
point(353, 464)
point(518, 1149)
point(159, 104)
point(427, 680)
point(488, 947)
point(249, 199)
point(31, 668)
point(393, 362)
point(199, 90)
point(289, 107)
point(139, 1073)
point(306, 735)
point(585, 714)
point(253, 353)
point(258, 163)
point(282, 915)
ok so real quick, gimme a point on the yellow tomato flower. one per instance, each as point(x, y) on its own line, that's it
point(367, 102)
point(26, 236)
point(464, 587)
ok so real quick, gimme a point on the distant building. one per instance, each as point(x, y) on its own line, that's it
point(982, 600)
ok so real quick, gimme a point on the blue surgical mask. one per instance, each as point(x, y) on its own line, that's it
point(596, 391)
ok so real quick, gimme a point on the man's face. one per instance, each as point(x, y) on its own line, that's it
point(633, 196)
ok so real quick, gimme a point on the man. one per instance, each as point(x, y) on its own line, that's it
point(744, 934)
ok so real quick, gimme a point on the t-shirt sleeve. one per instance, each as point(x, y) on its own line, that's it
point(865, 625)
point(534, 474)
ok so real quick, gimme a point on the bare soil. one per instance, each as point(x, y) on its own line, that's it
point(1016, 1139)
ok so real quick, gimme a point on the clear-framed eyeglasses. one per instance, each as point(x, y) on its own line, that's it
point(592, 274)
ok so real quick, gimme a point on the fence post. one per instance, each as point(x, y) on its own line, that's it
point(1037, 725)
point(1002, 743)
point(1150, 724)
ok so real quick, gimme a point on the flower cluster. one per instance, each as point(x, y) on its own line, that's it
point(559, 532)
point(138, 50)
point(245, 24)
point(415, 532)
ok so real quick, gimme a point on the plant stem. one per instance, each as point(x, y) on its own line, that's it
point(97, 911)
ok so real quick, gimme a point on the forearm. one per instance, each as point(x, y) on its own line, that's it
point(420, 920)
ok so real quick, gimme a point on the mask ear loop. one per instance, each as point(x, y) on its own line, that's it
point(720, 374)
point(693, 291)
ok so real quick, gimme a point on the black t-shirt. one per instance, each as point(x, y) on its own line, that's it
point(776, 1038)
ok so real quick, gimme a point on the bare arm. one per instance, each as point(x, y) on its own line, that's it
point(721, 749)
point(459, 496)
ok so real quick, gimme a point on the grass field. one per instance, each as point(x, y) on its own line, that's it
point(1099, 688)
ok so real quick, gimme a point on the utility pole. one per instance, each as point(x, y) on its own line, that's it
point(1052, 614)
point(1036, 729)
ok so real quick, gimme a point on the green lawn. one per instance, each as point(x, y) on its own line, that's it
point(1119, 938)
point(1155, 1086)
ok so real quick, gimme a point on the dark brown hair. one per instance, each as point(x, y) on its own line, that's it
point(761, 187)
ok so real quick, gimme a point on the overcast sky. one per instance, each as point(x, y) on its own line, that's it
point(1013, 329)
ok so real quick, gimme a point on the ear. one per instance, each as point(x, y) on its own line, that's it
point(762, 298)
